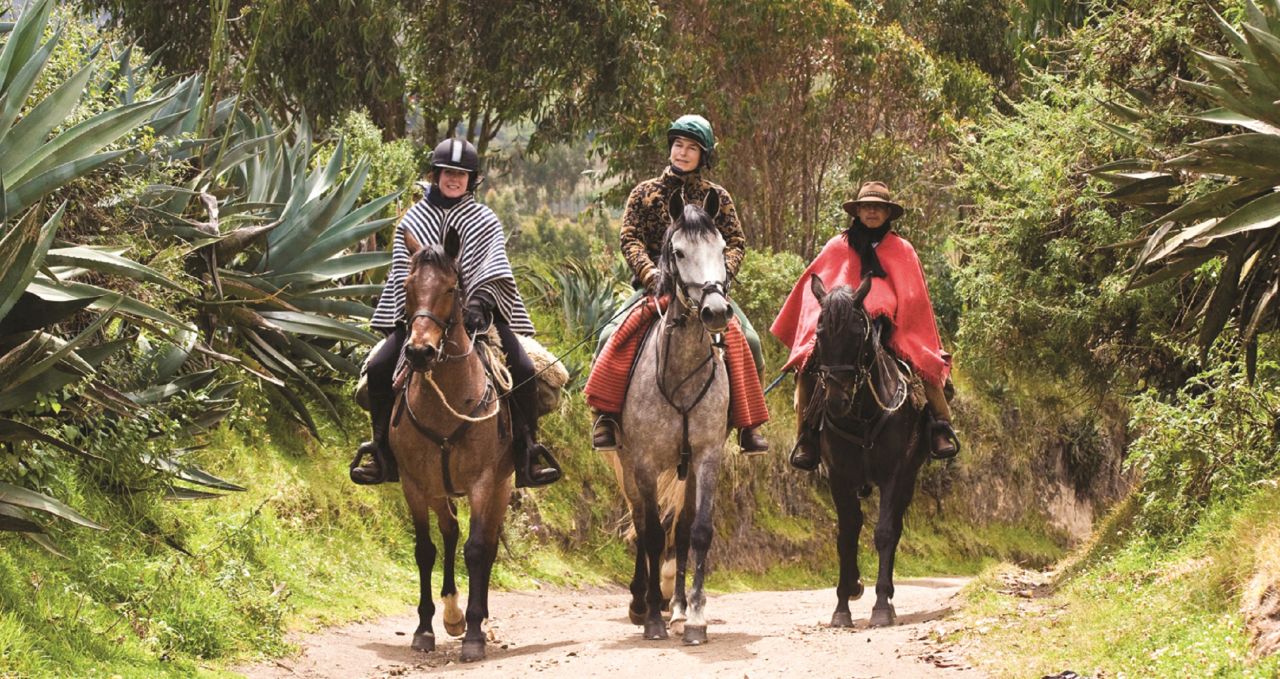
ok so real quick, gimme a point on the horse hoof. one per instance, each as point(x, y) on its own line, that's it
point(473, 650)
point(695, 635)
point(858, 589)
point(424, 641)
point(654, 631)
point(456, 628)
point(637, 618)
point(883, 616)
point(842, 619)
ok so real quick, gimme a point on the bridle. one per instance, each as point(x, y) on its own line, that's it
point(686, 308)
point(446, 326)
point(848, 380)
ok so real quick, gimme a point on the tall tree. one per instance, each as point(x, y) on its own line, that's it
point(321, 56)
point(464, 64)
point(806, 96)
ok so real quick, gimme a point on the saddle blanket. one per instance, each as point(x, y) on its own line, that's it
point(606, 388)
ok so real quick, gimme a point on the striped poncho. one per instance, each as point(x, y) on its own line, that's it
point(483, 260)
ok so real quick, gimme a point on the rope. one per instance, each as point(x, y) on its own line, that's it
point(498, 367)
point(465, 418)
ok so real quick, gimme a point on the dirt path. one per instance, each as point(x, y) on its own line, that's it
point(574, 634)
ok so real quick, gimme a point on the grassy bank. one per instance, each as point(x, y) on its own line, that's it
point(1138, 607)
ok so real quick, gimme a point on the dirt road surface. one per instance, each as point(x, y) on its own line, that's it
point(574, 634)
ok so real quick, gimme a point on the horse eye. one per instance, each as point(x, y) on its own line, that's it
point(679, 254)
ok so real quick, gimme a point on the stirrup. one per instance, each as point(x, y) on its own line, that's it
point(943, 427)
point(535, 453)
point(604, 446)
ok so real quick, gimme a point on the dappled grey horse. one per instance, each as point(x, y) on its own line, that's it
point(675, 421)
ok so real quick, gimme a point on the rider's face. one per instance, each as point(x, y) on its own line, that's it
point(452, 183)
point(872, 215)
point(685, 154)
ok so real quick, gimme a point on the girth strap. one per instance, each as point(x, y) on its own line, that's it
point(444, 442)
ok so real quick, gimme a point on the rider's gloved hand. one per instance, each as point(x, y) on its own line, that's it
point(478, 315)
point(651, 282)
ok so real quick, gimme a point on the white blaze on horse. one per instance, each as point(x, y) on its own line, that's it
point(674, 424)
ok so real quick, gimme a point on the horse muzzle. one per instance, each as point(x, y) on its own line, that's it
point(421, 356)
point(714, 310)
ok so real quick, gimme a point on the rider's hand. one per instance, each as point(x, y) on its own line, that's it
point(477, 316)
point(651, 282)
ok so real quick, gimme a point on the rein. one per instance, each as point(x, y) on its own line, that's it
point(686, 449)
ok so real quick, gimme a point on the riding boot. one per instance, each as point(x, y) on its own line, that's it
point(805, 456)
point(381, 466)
point(943, 441)
point(752, 442)
point(535, 466)
point(604, 431)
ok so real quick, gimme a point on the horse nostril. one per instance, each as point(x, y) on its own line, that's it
point(420, 353)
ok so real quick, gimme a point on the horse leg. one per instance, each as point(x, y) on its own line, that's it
point(849, 513)
point(683, 529)
point(894, 498)
point(454, 623)
point(704, 482)
point(653, 541)
point(637, 609)
point(488, 503)
point(424, 553)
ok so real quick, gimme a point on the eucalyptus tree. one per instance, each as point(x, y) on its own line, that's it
point(469, 65)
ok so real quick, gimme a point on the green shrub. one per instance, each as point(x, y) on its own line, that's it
point(764, 280)
point(1206, 446)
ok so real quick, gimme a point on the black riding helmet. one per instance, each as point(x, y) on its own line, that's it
point(458, 154)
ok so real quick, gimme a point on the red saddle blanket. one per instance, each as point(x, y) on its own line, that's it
point(606, 388)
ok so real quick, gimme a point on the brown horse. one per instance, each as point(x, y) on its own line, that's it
point(450, 439)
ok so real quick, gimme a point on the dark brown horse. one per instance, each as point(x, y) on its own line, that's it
point(871, 432)
point(449, 439)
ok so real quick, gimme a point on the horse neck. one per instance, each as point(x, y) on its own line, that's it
point(683, 347)
point(459, 378)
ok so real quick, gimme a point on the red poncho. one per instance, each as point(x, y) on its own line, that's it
point(903, 298)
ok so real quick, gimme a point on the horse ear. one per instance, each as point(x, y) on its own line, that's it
point(863, 288)
point(410, 243)
point(819, 290)
point(675, 207)
point(452, 243)
point(711, 204)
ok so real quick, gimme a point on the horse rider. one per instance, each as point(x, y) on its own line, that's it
point(491, 299)
point(898, 297)
point(691, 151)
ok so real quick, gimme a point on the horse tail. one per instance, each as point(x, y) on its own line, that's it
point(671, 495)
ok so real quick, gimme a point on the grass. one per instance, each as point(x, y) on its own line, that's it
point(1134, 606)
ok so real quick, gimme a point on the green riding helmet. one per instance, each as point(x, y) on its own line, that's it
point(697, 128)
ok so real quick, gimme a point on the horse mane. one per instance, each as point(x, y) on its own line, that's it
point(696, 223)
point(434, 255)
point(839, 308)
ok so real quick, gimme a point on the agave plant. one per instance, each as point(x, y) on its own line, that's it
point(1237, 221)
point(41, 151)
point(271, 243)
